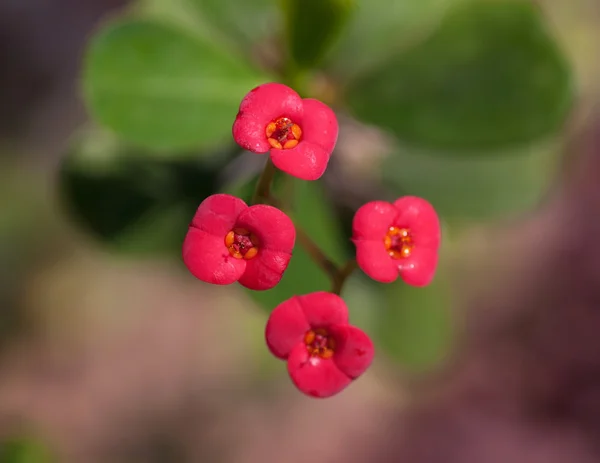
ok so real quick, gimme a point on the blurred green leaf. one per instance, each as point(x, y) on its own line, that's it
point(24, 450)
point(312, 26)
point(159, 87)
point(380, 29)
point(243, 22)
point(132, 202)
point(490, 76)
point(415, 326)
point(313, 212)
point(474, 188)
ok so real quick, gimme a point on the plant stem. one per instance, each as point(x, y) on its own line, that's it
point(317, 255)
point(342, 275)
point(263, 185)
point(262, 194)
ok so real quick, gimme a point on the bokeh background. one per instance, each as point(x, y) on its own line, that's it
point(114, 125)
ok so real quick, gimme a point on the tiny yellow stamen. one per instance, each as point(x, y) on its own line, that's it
point(326, 354)
point(309, 337)
point(398, 242)
point(270, 130)
point(296, 131)
point(290, 144)
point(275, 144)
point(250, 253)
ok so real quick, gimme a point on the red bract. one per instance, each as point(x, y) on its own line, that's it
point(228, 241)
point(299, 133)
point(324, 353)
point(402, 238)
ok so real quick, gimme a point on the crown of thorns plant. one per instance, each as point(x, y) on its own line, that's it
point(230, 241)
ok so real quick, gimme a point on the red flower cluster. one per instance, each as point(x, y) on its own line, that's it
point(299, 133)
point(324, 353)
point(229, 241)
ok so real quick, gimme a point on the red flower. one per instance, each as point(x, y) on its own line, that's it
point(299, 133)
point(228, 241)
point(402, 238)
point(324, 353)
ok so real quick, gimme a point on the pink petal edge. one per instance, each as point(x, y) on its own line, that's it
point(286, 328)
point(319, 125)
point(207, 258)
point(307, 161)
point(373, 220)
point(314, 376)
point(373, 259)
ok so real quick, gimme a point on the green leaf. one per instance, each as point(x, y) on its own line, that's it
point(381, 29)
point(313, 212)
point(159, 87)
point(244, 22)
point(474, 188)
point(131, 202)
point(415, 327)
point(24, 450)
point(312, 26)
point(490, 76)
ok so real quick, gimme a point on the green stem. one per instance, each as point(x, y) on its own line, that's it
point(263, 185)
point(262, 194)
point(317, 255)
point(342, 275)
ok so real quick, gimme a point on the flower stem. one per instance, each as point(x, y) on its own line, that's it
point(342, 275)
point(337, 275)
point(263, 185)
point(317, 255)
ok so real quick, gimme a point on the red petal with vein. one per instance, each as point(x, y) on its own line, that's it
point(315, 376)
point(274, 229)
point(286, 328)
point(374, 260)
point(307, 161)
point(319, 125)
point(419, 268)
point(208, 259)
point(264, 271)
point(323, 309)
point(420, 216)
point(354, 350)
point(373, 220)
point(217, 214)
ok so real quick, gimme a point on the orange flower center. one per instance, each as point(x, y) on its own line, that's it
point(241, 243)
point(282, 133)
point(319, 343)
point(398, 242)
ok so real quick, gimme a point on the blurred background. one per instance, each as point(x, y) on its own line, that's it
point(115, 125)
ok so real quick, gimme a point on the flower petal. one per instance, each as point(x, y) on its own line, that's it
point(271, 101)
point(373, 259)
point(354, 350)
point(217, 214)
point(315, 376)
point(207, 258)
point(420, 216)
point(307, 161)
point(419, 269)
point(249, 133)
point(273, 228)
point(286, 328)
point(323, 309)
point(373, 220)
point(319, 125)
point(265, 270)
